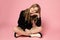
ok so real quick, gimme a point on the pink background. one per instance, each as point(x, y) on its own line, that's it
point(9, 13)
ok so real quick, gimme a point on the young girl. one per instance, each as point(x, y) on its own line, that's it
point(29, 22)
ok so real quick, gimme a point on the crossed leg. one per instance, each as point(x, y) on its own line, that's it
point(19, 32)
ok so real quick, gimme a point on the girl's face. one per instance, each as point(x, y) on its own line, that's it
point(33, 9)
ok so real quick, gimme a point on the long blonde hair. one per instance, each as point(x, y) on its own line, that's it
point(27, 13)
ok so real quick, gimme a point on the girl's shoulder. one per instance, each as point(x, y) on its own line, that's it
point(21, 12)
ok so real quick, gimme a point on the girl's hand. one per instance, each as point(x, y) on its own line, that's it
point(35, 14)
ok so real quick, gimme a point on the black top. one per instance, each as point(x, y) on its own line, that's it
point(24, 24)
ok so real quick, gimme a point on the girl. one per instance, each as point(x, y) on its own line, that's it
point(29, 22)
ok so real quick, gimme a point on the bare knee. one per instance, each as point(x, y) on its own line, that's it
point(39, 28)
point(15, 29)
point(19, 31)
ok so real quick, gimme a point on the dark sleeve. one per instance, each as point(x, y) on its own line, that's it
point(38, 23)
point(21, 19)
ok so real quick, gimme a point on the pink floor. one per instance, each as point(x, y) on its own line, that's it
point(9, 13)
